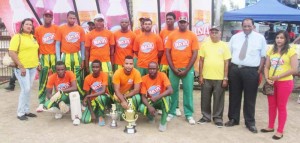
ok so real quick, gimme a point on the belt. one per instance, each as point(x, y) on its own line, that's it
point(241, 66)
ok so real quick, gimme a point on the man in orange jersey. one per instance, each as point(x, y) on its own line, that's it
point(155, 91)
point(95, 88)
point(99, 45)
point(148, 47)
point(127, 82)
point(124, 43)
point(64, 82)
point(138, 32)
point(164, 66)
point(45, 35)
point(70, 48)
point(170, 18)
point(181, 50)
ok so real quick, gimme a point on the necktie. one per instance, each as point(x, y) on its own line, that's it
point(243, 51)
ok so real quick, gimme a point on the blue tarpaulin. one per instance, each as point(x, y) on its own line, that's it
point(265, 10)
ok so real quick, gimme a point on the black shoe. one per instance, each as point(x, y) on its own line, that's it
point(202, 121)
point(276, 137)
point(22, 118)
point(219, 124)
point(10, 88)
point(266, 131)
point(30, 115)
point(252, 129)
point(231, 123)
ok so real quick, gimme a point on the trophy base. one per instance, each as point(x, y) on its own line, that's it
point(113, 125)
point(130, 130)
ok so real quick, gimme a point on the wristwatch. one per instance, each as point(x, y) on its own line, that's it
point(225, 78)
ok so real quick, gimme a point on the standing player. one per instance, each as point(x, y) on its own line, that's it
point(45, 35)
point(70, 48)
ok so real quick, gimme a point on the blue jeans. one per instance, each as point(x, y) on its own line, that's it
point(25, 84)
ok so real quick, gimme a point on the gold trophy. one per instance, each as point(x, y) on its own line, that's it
point(130, 116)
point(114, 116)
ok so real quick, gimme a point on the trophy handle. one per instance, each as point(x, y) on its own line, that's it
point(136, 117)
point(123, 116)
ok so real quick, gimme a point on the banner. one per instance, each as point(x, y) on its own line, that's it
point(179, 7)
point(201, 20)
point(145, 8)
point(60, 9)
point(113, 11)
point(13, 12)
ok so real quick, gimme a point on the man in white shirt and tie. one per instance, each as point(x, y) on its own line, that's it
point(248, 50)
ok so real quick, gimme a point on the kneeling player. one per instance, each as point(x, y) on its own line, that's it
point(96, 96)
point(155, 92)
point(64, 83)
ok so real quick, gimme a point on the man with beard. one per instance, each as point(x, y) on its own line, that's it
point(70, 48)
point(181, 50)
point(95, 89)
point(124, 43)
point(148, 47)
point(99, 45)
point(64, 82)
point(155, 91)
point(127, 81)
point(45, 35)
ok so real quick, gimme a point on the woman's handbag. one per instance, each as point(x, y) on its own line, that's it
point(7, 60)
point(268, 89)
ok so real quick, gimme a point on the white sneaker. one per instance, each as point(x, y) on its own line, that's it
point(76, 122)
point(162, 128)
point(170, 117)
point(40, 108)
point(178, 112)
point(191, 120)
point(58, 116)
point(298, 101)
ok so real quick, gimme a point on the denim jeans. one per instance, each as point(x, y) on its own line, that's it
point(25, 84)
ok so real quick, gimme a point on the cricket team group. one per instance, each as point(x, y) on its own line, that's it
point(103, 68)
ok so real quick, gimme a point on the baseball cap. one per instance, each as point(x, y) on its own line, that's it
point(183, 18)
point(215, 28)
point(90, 22)
point(48, 12)
point(99, 16)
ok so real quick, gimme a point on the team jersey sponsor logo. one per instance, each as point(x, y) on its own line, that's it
point(147, 47)
point(48, 38)
point(99, 41)
point(97, 86)
point(154, 90)
point(63, 86)
point(123, 42)
point(181, 44)
point(73, 37)
point(130, 81)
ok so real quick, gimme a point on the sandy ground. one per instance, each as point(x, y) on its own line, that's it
point(45, 128)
